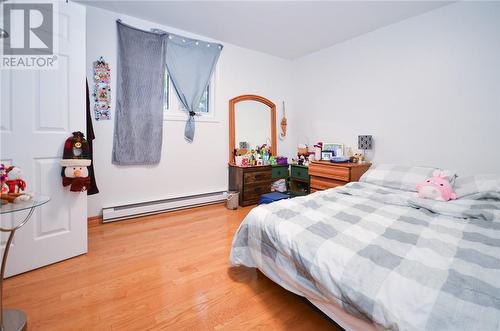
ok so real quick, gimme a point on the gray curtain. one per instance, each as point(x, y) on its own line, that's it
point(190, 64)
point(139, 96)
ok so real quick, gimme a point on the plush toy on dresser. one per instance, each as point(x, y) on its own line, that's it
point(76, 159)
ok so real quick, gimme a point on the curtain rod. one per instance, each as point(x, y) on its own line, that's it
point(170, 35)
point(141, 30)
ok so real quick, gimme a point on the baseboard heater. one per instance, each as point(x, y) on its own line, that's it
point(119, 213)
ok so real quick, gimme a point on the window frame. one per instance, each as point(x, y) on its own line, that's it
point(172, 109)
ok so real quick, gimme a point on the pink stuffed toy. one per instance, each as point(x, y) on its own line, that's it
point(438, 188)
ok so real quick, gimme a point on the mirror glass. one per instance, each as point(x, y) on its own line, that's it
point(252, 124)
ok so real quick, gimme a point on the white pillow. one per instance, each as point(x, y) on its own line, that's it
point(397, 176)
point(477, 186)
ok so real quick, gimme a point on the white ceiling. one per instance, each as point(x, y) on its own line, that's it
point(288, 29)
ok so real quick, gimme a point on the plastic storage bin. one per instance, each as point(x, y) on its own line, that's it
point(271, 197)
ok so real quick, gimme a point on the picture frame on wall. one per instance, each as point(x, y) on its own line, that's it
point(327, 155)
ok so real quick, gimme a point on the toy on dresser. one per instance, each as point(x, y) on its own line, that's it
point(13, 186)
point(357, 158)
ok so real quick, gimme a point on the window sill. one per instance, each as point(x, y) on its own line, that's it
point(183, 118)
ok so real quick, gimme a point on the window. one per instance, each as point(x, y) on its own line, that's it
point(174, 108)
point(204, 101)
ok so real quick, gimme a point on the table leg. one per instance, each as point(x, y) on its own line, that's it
point(10, 319)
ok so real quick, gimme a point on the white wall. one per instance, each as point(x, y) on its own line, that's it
point(426, 88)
point(185, 168)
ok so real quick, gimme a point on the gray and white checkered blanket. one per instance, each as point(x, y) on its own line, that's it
point(385, 255)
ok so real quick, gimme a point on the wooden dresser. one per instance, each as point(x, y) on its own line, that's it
point(325, 175)
point(299, 180)
point(252, 182)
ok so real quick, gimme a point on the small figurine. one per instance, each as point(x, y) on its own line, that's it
point(302, 149)
point(357, 158)
point(13, 186)
point(15, 182)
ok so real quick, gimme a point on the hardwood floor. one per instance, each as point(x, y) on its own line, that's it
point(163, 272)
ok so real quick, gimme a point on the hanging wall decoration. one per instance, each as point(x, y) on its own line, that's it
point(76, 159)
point(102, 90)
point(283, 124)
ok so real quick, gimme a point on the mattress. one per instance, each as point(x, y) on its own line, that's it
point(373, 257)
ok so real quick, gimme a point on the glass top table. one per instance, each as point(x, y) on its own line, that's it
point(24, 205)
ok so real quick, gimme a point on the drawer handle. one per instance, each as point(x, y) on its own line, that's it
point(257, 189)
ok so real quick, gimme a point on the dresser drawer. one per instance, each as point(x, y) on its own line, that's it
point(278, 172)
point(256, 176)
point(299, 173)
point(329, 171)
point(253, 192)
point(321, 183)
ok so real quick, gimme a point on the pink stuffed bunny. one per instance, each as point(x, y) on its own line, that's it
point(438, 188)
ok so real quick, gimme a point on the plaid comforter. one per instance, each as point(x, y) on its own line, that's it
point(401, 262)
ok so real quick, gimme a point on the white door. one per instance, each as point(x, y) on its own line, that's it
point(39, 110)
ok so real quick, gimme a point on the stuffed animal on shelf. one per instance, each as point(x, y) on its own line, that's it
point(13, 185)
point(76, 159)
point(438, 188)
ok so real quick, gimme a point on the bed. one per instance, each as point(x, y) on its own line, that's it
point(372, 255)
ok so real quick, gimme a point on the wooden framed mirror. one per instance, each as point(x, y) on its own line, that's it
point(252, 120)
